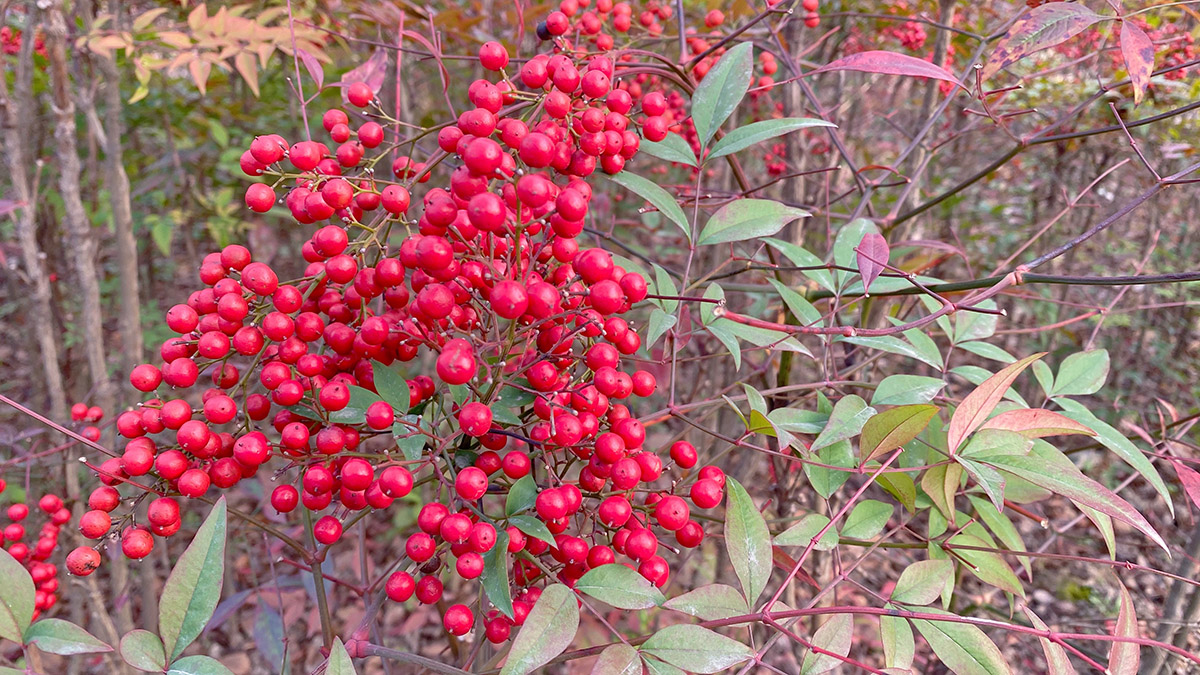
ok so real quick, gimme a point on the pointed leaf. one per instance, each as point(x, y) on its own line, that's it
point(753, 134)
point(1125, 657)
point(339, 662)
point(850, 413)
point(672, 149)
point(867, 520)
point(619, 586)
point(1040, 28)
point(835, 636)
point(658, 198)
point(64, 638)
point(143, 650)
point(801, 257)
point(980, 403)
point(873, 254)
point(546, 633)
point(200, 665)
point(16, 598)
point(371, 73)
point(1137, 49)
point(710, 603)
point(894, 345)
point(805, 529)
point(618, 659)
point(744, 219)
point(1081, 374)
point(193, 588)
point(893, 428)
point(989, 567)
point(747, 541)
point(1037, 423)
point(696, 649)
point(495, 575)
point(722, 88)
point(532, 527)
point(899, 648)
point(392, 387)
point(921, 582)
point(889, 63)
point(906, 389)
point(521, 495)
point(313, 66)
point(1057, 661)
point(962, 647)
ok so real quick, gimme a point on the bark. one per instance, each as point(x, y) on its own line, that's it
point(14, 115)
point(80, 244)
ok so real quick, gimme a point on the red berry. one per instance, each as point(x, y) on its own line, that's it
point(359, 94)
point(458, 620)
point(327, 530)
point(83, 561)
point(493, 56)
point(471, 483)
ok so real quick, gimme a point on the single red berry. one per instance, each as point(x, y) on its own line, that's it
point(400, 586)
point(327, 530)
point(136, 543)
point(458, 620)
point(83, 561)
point(471, 483)
point(493, 56)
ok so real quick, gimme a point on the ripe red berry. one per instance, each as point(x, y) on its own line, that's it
point(83, 561)
point(136, 543)
point(458, 620)
point(706, 493)
point(285, 498)
point(327, 530)
point(359, 94)
point(400, 586)
point(493, 56)
point(260, 197)
point(471, 483)
point(94, 524)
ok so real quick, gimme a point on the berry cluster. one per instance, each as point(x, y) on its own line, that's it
point(89, 416)
point(34, 557)
point(513, 402)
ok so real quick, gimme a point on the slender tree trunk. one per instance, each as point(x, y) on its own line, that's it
point(14, 115)
point(80, 244)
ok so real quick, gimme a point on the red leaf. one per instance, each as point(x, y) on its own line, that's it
point(314, 67)
point(1039, 28)
point(787, 563)
point(1125, 657)
point(976, 407)
point(1138, 51)
point(889, 63)
point(371, 72)
point(1190, 479)
point(873, 254)
point(1036, 423)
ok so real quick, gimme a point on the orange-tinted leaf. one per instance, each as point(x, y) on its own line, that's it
point(146, 18)
point(1190, 479)
point(1138, 51)
point(888, 63)
point(200, 69)
point(1125, 657)
point(873, 254)
point(198, 16)
point(1039, 28)
point(893, 428)
point(247, 67)
point(980, 403)
point(1037, 423)
point(175, 39)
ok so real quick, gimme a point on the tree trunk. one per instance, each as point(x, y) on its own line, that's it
point(14, 115)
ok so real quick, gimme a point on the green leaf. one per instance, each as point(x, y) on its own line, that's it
point(906, 389)
point(521, 495)
point(975, 325)
point(988, 351)
point(827, 481)
point(962, 647)
point(991, 480)
point(1081, 374)
point(980, 403)
point(835, 636)
point(672, 149)
point(201, 665)
point(546, 633)
point(143, 650)
point(747, 541)
point(921, 582)
point(752, 134)
point(63, 638)
point(720, 329)
point(900, 486)
point(355, 411)
point(696, 649)
point(805, 529)
point(899, 648)
point(989, 567)
point(1002, 527)
point(722, 88)
point(620, 586)
point(410, 441)
point(893, 428)
point(532, 527)
point(710, 603)
point(660, 322)
point(801, 308)
point(849, 415)
point(495, 575)
point(391, 387)
point(798, 421)
point(1116, 441)
point(1062, 477)
point(193, 588)
point(339, 662)
point(801, 257)
point(658, 198)
point(653, 667)
point(894, 345)
point(867, 519)
point(744, 219)
point(618, 659)
point(16, 598)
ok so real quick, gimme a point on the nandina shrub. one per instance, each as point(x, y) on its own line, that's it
point(465, 343)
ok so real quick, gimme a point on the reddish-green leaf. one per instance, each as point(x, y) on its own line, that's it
point(696, 649)
point(64, 638)
point(744, 219)
point(889, 63)
point(898, 645)
point(834, 636)
point(546, 633)
point(618, 659)
point(143, 650)
point(1037, 423)
point(371, 72)
point(1039, 28)
point(922, 582)
point(873, 254)
point(710, 603)
point(1057, 661)
point(893, 428)
point(747, 541)
point(1189, 478)
point(1064, 478)
point(1125, 657)
point(980, 403)
point(1137, 49)
point(339, 660)
point(620, 587)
